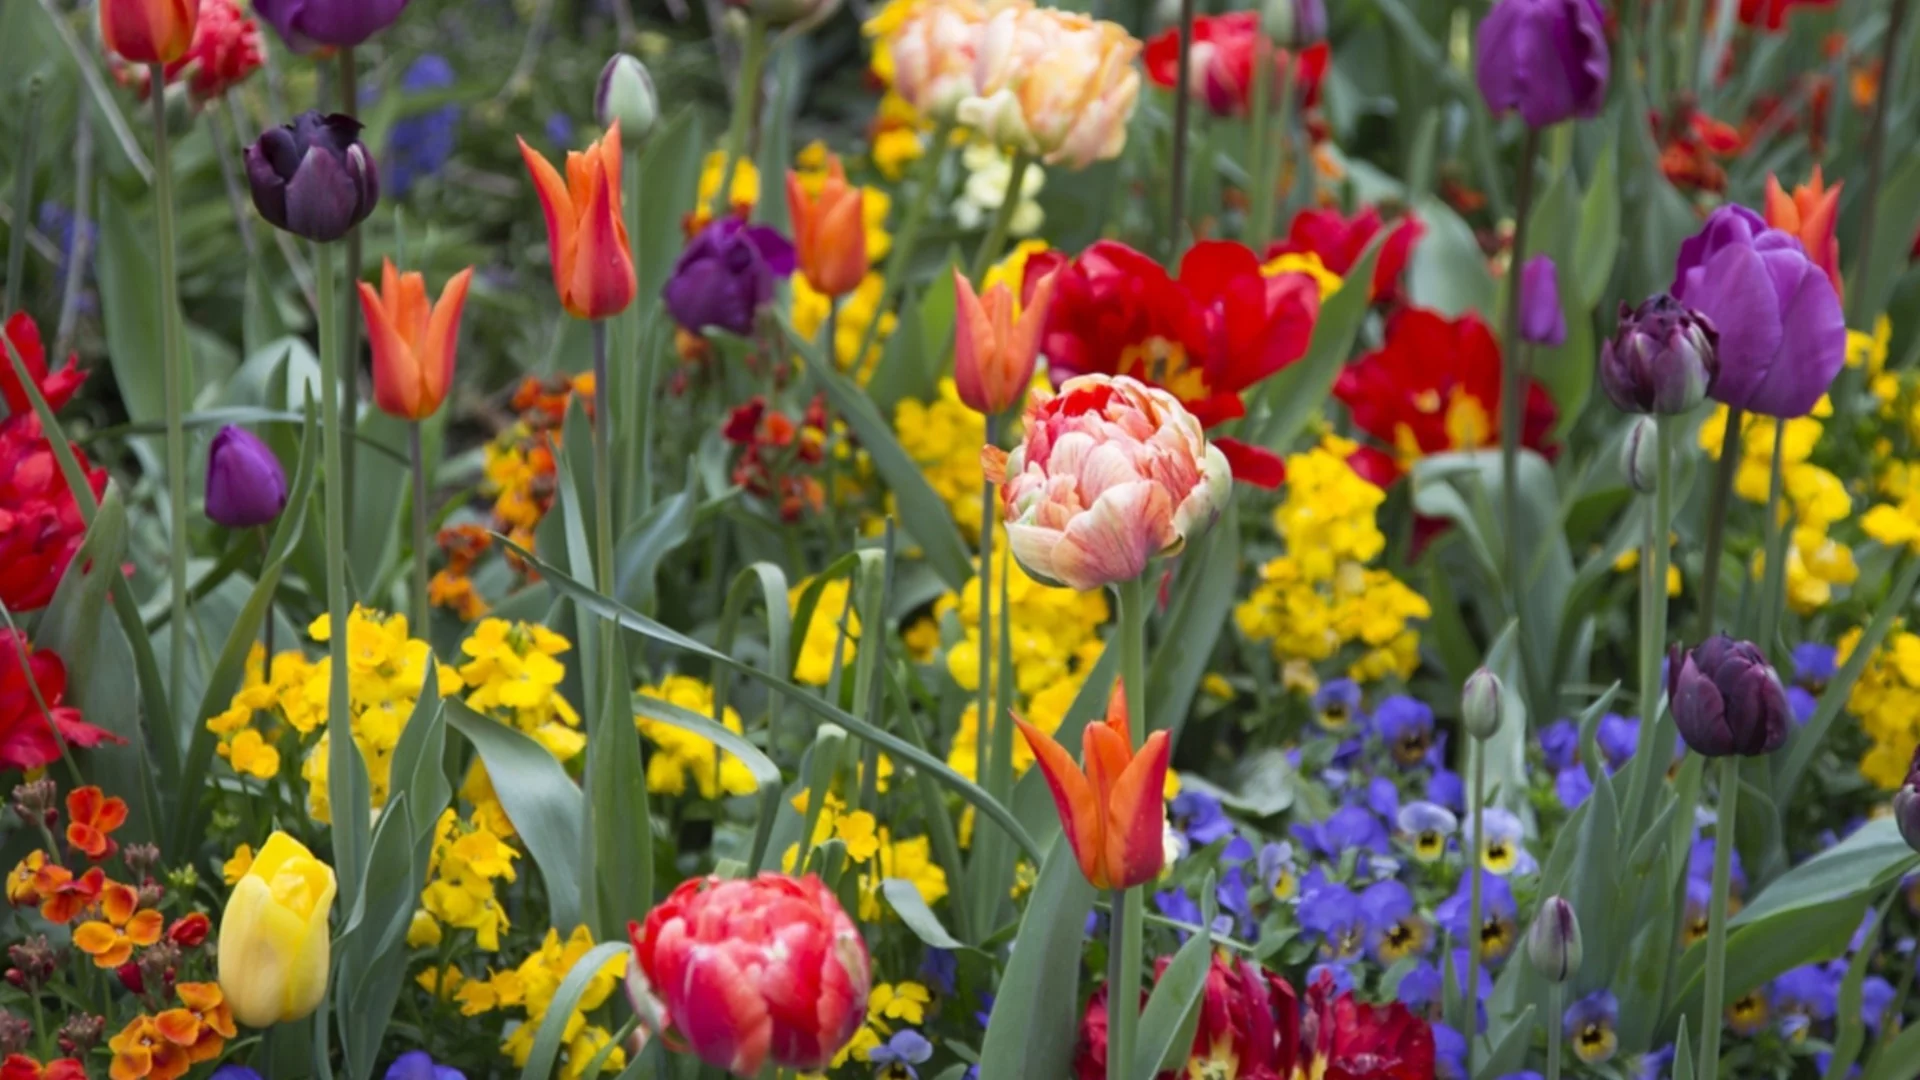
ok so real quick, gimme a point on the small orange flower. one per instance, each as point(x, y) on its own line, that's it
point(1113, 812)
point(23, 881)
point(829, 231)
point(586, 230)
point(92, 816)
point(203, 1023)
point(124, 924)
point(141, 1052)
point(63, 896)
point(1810, 214)
point(22, 1067)
point(413, 340)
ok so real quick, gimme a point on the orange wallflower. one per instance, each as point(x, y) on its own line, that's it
point(63, 896)
point(413, 340)
point(829, 234)
point(141, 1052)
point(586, 231)
point(123, 924)
point(1810, 213)
point(1113, 812)
point(23, 880)
point(201, 1025)
point(92, 815)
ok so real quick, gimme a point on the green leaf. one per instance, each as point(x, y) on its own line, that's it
point(907, 903)
point(373, 528)
point(670, 177)
point(1295, 395)
point(1862, 864)
point(1165, 1034)
point(1759, 949)
point(1850, 1026)
point(1598, 243)
point(1870, 287)
point(546, 808)
point(1511, 1051)
point(1201, 610)
point(1037, 1011)
point(765, 773)
point(129, 284)
point(1448, 271)
point(1898, 1059)
point(546, 1042)
point(665, 526)
point(366, 987)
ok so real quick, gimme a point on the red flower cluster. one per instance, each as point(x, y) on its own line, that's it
point(1222, 69)
point(40, 523)
point(1339, 241)
point(22, 1067)
point(1218, 329)
point(225, 51)
point(1772, 14)
point(1692, 146)
point(777, 451)
point(27, 740)
point(1352, 1041)
point(1434, 385)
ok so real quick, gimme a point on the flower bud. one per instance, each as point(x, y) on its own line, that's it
point(1481, 701)
point(274, 947)
point(1554, 942)
point(1664, 358)
point(625, 96)
point(245, 484)
point(1906, 813)
point(1639, 455)
point(313, 177)
point(1541, 320)
point(1726, 699)
point(148, 31)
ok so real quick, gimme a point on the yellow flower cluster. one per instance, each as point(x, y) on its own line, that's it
point(850, 325)
point(530, 988)
point(814, 667)
point(742, 196)
point(680, 756)
point(944, 437)
point(512, 676)
point(467, 859)
point(1814, 499)
point(1868, 353)
point(1321, 596)
point(887, 1004)
point(1887, 702)
point(873, 850)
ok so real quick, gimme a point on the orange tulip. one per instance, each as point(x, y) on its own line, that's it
point(149, 31)
point(413, 341)
point(829, 231)
point(1810, 213)
point(993, 353)
point(1112, 813)
point(586, 230)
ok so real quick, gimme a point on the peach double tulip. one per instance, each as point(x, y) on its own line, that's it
point(1112, 473)
point(933, 55)
point(149, 31)
point(994, 352)
point(586, 230)
point(1112, 812)
point(1055, 84)
point(829, 230)
point(1810, 213)
point(413, 340)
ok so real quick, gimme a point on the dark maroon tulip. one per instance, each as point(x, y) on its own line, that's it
point(245, 484)
point(1726, 699)
point(1663, 358)
point(313, 177)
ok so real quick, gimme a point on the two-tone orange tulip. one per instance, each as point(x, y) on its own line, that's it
point(149, 31)
point(1112, 812)
point(586, 230)
point(413, 340)
point(1811, 212)
point(829, 230)
point(993, 352)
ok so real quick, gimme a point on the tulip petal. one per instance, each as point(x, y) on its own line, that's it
point(1255, 465)
point(396, 378)
point(442, 340)
point(557, 205)
point(972, 345)
point(732, 1024)
point(601, 279)
point(1073, 796)
point(1113, 539)
point(1136, 816)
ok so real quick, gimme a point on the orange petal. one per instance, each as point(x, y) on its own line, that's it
point(972, 346)
point(1073, 798)
point(1781, 211)
point(1025, 340)
point(600, 283)
point(112, 814)
point(1117, 718)
point(396, 372)
point(178, 1026)
point(1107, 755)
point(94, 938)
point(557, 204)
point(1136, 816)
point(118, 902)
point(442, 340)
point(800, 212)
point(144, 928)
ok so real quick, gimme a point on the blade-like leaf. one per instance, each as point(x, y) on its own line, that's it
point(545, 806)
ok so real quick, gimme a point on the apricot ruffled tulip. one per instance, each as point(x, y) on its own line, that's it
point(1112, 473)
point(1112, 812)
point(1055, 84)
point(149, 31)
point(274, 952)
point(413, 340)
point(829, 232)
point(1811, 212)
point(586, 230)
point(933, 53)
point(993, 352)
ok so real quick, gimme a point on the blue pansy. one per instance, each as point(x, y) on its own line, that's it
point(1405, 725)
point(1560, 742)
point(1591, 1024)
point(1198, 815)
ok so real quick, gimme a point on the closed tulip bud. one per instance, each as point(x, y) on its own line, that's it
point(829, 230)
point(413, 340)
point(1906, 813)
point(1726, 699)
point(1541, 320)
point(586, 228)
point(625, 96)
point(1553, 945)
point(1664, 358)
point(245, 484)
point(994, 353)
point(1639, 455)
point(274, 950)
point(149, 31)
point(1481, 702)
point(313, 177)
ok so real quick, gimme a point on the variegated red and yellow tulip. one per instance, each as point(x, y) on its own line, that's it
point(1112, 811)
point(149, 31)
point(1810, 213)
point(413, 340)
point(586, 229)
point(993, 350)
point(829, 232)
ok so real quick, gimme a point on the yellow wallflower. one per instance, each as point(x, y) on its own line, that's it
point(857, 308)
point(1886, 699)
point(531, 986)
point(466, 860)
point(236, 867)
point(743, 195)
point(1814, 495)
point(682, 755)
point(1868, 352)
point(815, 664)
point(944, 437)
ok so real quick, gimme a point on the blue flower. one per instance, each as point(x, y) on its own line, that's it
point(1526, 1075)
point(1618, 737)
point(939, 967)
point(1175, 904)
point(1332, 911)
point(238, 1072)
point(1804, 996)
point(1337, 705)
point(1421, 988)
point(900, 1054)
point(1503, 849)
point(1198, 815)
point(986, 1010)
point(1814, 664)
point(1700, 865)
point(1449, 1053)
point(1560, 742)
point(1278, 875)
point(1876, 997)
point(1654, 1063)
point(1572, 785)
point(1497, 914)
point(1590, 1025)
point(421, 144)
point(1341, 976)
point(1350, 827)
point(1428, 826)
point(1406, 726)
point(1444, 787)
point(560, 129)
point(1232, 894)
point(1383, 798)
point(1748, 1014)
point(1395, 930)
point(1801, 703)
point(418, 1065)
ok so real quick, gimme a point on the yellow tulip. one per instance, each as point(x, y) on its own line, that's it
point(274, 949)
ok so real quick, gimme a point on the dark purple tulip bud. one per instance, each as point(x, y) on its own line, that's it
point(1726, 699)
point(313, 177)
point(726, 275)
point(1546, 58)
point(1906, 812)
point(1541, 320)
point(302, 24)
point(1553, 945)
point(1664, 358)
point(245, 484)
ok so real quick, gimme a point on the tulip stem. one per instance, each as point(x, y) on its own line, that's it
point(1876, 154)
point(1556, 996)
point(904, 241)
point(176, 377)
point(753, 61)
point(417, 451)
point(1717, 515)
point(1474, 899)
point(1123, 981)
point(341, 747)
point(1513, 399)
point(602, 462)
point(1182, 120)
point(23, 196)
point(1133, 655)
point(1723, 840)
point(1773, 580)
point(1653, 608)
point(983, 707)
point(996, 237)
point(349, 326)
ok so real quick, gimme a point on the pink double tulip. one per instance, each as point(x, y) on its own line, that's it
point(1056, 84)
point(933, 55)
point(1112, 473)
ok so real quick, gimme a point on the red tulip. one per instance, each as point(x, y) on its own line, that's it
point(1113, 812)
point(1340, 241)
point(1222, 63)
point(149, 31)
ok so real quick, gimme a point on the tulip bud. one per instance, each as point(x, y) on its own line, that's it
point(148, 31)
point(1664, 358)
point(625, 96)
point(1294, 24)
point(1554, 942)
point(1906, 813)
point(1541, 320)
point(1481, 701)
point(1639, 454)
point(1726, 699)
point(313, 177)
point(245, 483)
point(274, 949)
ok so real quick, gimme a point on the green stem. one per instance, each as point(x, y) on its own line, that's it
point(1475, 901)
point(1687, 69)
point(417, 452)
point(996, 237)
point(1653, 606)
point(1259, 185)
point(1556, 996)
point(753, 61)
point(1512, 409)
point(984, 578)
point(1182, 120)
point(1723, 840)
point(602, 463)
point(1717, 517)
point(1773, 580)
point(640, 342)
point(1133, 654)
point(176, 404)
point(904, 241)
point(339, 718)
point(23, 196)
point(349, 326)
point(1123, 981)
point(1876, 153)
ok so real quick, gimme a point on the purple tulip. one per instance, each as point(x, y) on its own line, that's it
point(245, 484)
point(1906, 813)
point(1664, 358)
point(312, 177)
point(303, 24)
point(418, 1065)
point(1541, 320)
point(1782, 335)
point(726, 274)
point(1546, 58)
point(1726, 699)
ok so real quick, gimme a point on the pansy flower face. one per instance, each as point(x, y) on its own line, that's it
point(1590, 1025)
point(1406, 727)
point(1427, 827)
